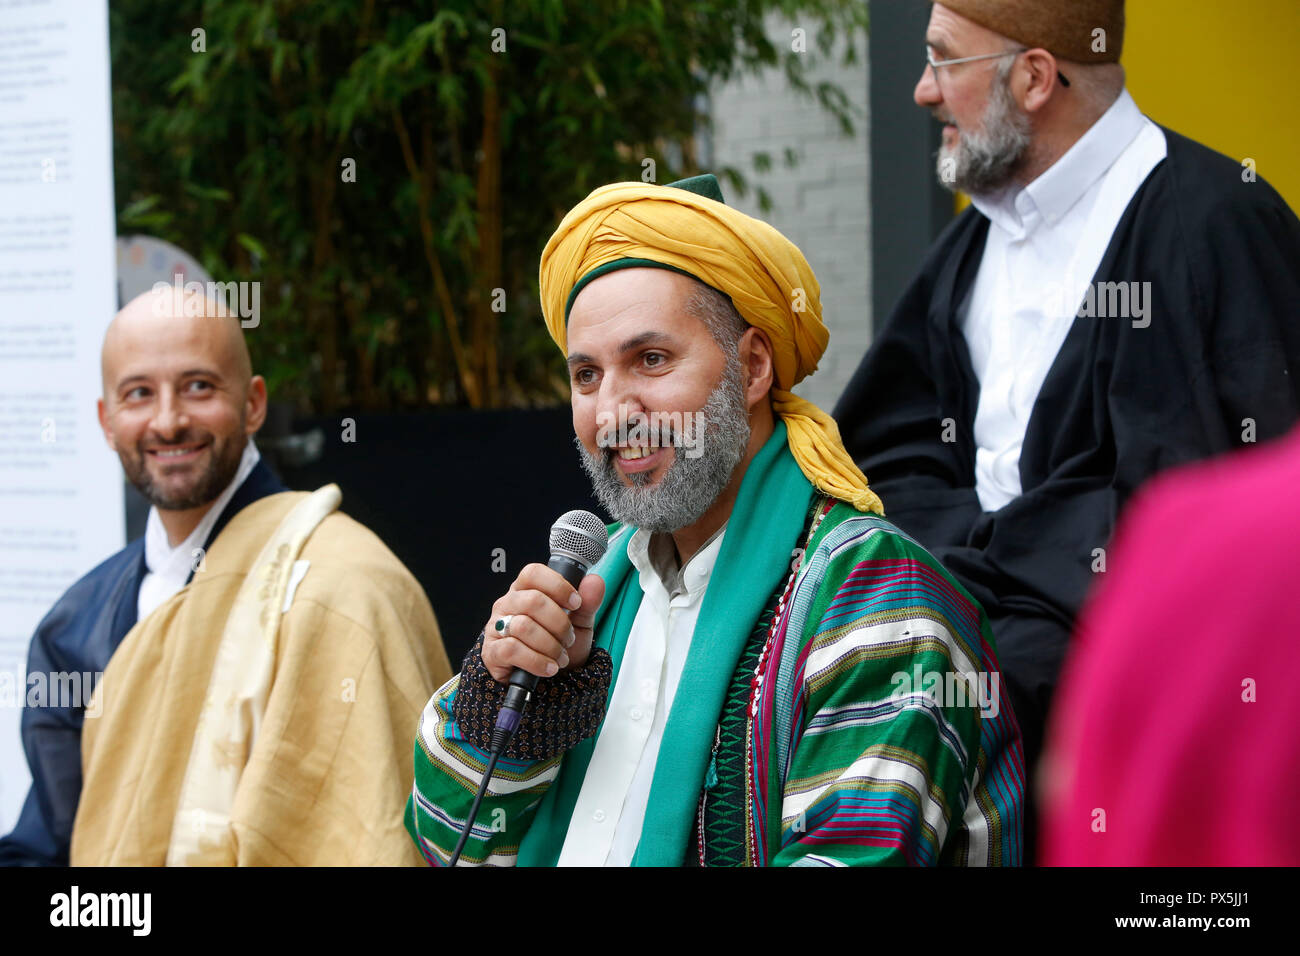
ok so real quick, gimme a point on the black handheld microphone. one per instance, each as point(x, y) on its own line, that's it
point(578, 540)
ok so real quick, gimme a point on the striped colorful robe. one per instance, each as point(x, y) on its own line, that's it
point(852, 733)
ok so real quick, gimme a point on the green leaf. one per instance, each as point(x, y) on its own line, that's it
point(252, 245)
point(241, 146)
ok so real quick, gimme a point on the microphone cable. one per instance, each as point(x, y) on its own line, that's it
point(501, 735)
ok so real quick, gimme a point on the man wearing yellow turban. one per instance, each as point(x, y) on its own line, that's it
point(761, 670)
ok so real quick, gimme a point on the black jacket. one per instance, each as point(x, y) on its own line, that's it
point(1212, 370)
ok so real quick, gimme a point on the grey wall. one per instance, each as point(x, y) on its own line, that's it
point(823, 204)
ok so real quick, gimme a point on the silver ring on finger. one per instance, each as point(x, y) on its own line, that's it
point(503, 625)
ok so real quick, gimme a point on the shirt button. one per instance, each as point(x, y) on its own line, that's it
point(599, 816)
point(635, 713)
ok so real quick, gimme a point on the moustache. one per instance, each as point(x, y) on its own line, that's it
point(188, 437)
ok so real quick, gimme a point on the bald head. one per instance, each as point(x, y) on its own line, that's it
point(180, 400)
point(160, 325)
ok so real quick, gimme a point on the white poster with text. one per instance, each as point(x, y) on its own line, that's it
point(61, 509)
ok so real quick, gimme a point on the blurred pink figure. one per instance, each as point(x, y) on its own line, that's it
point(1176, 736)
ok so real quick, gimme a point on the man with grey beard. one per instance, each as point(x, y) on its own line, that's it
point(1117, 300)
point(693, 481)
point(749, 567)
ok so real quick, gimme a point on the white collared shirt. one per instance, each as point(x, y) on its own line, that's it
point(607, 818)
point(1045, 243)
point(169, 568)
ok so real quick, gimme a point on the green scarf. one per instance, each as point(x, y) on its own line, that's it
point(756, 553)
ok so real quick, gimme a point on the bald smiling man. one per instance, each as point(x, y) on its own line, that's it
point(264, 657)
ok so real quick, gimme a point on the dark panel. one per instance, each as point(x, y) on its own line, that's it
point(443, 489)
point(908, 206)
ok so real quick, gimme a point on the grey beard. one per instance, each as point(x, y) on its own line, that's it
point(690, 485)
point(986, 159)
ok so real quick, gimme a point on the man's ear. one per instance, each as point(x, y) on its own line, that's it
point(1035, 85)
point(255, 405)
point(103, 423)
point(756, 358)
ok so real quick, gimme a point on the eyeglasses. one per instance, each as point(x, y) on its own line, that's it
point(936, 64)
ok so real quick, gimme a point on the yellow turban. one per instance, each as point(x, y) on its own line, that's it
point(764, 273)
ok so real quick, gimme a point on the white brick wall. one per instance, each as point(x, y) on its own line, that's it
point(822, 204)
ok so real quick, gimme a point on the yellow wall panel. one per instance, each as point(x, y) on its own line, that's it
point(1225, 73)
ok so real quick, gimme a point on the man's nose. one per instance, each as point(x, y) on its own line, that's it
point(927, 93)
point(171, 418)
point(620, 406)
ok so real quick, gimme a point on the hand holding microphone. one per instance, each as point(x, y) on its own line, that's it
point(541, 637)
point(543, 624)
point(540, 627)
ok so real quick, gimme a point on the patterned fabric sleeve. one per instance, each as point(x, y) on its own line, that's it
point(451, 755)
point(448, 771)
point(898, 749)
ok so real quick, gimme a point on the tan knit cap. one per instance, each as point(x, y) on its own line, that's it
point(1066, 28)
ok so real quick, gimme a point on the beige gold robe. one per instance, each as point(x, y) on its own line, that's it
point(327, 772)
